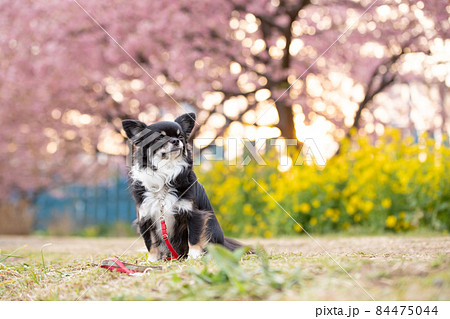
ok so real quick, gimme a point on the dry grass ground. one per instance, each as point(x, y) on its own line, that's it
point(387, 267)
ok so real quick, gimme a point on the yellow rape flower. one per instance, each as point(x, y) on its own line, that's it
point(298, 228)
point(316, 203)
point(268, 234)
point(305, 208)
point(350, 209)
point(329, 212)
point(368, 206)
point(248, 229)
point(383, 179)
point(312, 221)
point(386, 203)
point(391, 221)
point(248, 210)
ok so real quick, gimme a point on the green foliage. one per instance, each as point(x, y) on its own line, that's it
point(394, 185)
point(230, 277)
point(118, 229)
point(4, 257)
point(42, 254)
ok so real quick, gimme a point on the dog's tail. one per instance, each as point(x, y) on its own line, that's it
point(233, 244)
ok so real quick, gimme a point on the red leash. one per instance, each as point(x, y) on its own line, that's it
point(114, 264)
point(164, 227)
point(166, 239)
point(117, 265)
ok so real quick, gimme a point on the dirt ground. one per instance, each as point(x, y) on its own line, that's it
point(423, 248)
point(389, 267)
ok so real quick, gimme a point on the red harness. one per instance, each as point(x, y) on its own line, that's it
point(166, 239)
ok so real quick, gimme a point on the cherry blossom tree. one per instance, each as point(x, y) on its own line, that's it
point(71, 70)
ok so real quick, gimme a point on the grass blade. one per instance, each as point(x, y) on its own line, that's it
point(12, 254)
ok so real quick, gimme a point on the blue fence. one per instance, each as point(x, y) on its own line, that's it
point(87, 205)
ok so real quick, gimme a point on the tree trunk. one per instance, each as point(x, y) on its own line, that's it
point(443, 94)
point(286, 124)
point(357, 118)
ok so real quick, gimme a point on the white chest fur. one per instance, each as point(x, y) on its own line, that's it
point(158, 198)
point(163, 202)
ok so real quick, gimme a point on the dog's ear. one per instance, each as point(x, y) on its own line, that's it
point(187, 122)
point(132, 128)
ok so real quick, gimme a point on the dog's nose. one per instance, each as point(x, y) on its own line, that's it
point(174, 141)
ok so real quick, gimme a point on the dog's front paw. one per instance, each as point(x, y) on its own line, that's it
point(195, 252)
point(153, 255)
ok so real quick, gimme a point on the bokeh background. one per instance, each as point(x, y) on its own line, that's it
point(368, 81)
